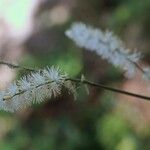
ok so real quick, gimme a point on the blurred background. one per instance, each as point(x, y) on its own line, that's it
point(32, 35)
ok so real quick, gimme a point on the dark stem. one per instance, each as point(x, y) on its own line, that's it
point(23, 91)
point(109, 88)
point(14, 66)
point(91, 84)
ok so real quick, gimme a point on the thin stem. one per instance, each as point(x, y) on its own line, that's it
point(109, 88)
point(14, 66)
point(142, 71)
point(23, 91)
point(88, 83)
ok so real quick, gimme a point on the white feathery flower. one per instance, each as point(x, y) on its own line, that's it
point(105, 44)
point(52, 74)
point(12, 89)
point(3, 104)
point(146, 74)
point(24, 84)
point(37, 78)
point(71, 88)
point(33, 88)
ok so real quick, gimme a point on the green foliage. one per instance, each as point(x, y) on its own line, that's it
point(113, 132)
point(130, 11)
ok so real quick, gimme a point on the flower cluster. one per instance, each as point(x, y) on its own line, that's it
point(34, 88)
point(105, 44)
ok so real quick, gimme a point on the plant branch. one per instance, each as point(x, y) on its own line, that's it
point(23, 91)
point(109, 88)
point(14, 66)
